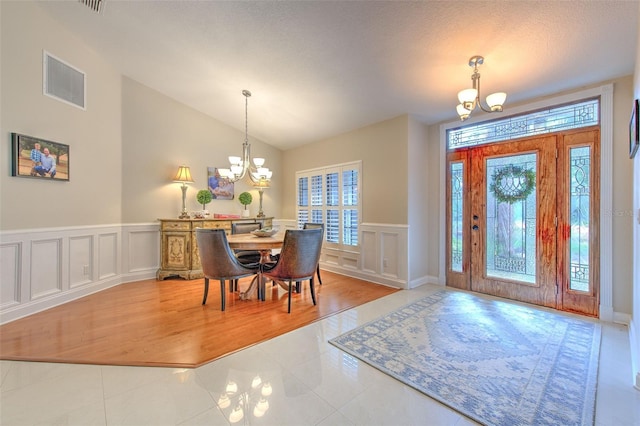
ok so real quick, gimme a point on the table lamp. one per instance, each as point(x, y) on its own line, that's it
point(183, 176)
point(261, 185)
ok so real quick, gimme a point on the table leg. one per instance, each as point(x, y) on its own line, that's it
point(257, 283)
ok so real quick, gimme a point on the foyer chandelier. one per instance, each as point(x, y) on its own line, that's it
point(470, 98)
point(241, 166)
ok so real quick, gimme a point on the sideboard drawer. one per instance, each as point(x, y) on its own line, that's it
point(217, 224)
point(178, 225)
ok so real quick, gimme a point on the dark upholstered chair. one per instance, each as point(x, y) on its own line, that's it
point(219, 262)
point(246, 256)
point(298, 260)
point(310, 225)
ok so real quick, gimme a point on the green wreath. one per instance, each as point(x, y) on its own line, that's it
point(519, 183)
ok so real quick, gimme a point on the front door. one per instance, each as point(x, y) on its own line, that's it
point(518, 220)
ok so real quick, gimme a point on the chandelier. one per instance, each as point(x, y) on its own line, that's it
point(241, 166)
point(470, 98)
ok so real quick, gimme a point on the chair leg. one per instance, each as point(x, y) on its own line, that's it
point(318, 272)
point(222, 294)
point(313, 291)
point(298, 285)
point(206, 290)
point(290, 289)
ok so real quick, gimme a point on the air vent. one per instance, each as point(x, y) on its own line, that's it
point(63, 82)
point(95, 5)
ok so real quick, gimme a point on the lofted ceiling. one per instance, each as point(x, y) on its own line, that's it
point(321, 68)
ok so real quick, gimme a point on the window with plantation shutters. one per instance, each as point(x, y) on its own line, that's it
point(303, 199)
point(331, 195)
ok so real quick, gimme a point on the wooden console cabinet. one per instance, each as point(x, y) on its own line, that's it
point(179, 255)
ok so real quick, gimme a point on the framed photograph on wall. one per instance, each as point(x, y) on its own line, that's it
point(634, 130)
point(220, 187)
point(39, 158)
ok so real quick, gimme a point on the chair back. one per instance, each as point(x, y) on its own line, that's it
point(310, 225)
point(245, 228)
point(299, 255)
point(217, 259)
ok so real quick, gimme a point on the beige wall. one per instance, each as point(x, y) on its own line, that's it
point(159, 134)
point(422, 202)
point(93, 194)
point(622, 197)
point(382, 147)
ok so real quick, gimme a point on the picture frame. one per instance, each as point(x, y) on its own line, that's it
point(54, 158)
point(634, 130)
point(221, 188)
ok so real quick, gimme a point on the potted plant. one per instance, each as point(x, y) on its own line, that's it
point(245, 199)
point(204, 197)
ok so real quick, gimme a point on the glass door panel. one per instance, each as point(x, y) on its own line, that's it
point(511, 218)
point(456, 240)
point(458, 231)
point(579, 159)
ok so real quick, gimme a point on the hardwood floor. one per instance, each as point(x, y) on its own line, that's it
point(163, 323)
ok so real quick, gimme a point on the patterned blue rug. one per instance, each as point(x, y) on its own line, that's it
point(495, 362)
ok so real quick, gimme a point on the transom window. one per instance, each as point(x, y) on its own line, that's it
point(549, 120)
point(331, 195)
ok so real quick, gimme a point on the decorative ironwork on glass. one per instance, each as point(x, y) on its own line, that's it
point(580, 178)
point(457, 201)
point(581, 114)
point(511, 218)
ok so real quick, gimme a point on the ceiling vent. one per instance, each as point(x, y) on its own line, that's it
point(95, 5)
point(64, 82)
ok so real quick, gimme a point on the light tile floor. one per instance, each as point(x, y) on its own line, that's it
point(294, 379)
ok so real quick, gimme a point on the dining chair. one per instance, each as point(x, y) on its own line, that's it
point(297, 261)
point(246, 256)
point(219, 262)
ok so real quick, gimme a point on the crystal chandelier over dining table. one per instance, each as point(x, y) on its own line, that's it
point(242, 166)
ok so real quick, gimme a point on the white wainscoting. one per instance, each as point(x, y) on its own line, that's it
point(43, 268)
point(381, 257)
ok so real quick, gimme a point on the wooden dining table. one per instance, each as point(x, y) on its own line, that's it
point(264, 245)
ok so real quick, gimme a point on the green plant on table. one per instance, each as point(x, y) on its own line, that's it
point(204, 197)
point(245, 199)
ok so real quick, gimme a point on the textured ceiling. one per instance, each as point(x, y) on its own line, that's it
point(321, 68)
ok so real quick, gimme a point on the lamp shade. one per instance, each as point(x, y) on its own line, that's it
point(496, 100)
point(183, 175)
point(467, 95)
point(462, 112)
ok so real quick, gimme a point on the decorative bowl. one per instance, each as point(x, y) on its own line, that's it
point(264, 232)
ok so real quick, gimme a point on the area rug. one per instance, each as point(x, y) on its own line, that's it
point(496, 362)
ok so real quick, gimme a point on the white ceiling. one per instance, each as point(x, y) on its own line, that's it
point(321, 68)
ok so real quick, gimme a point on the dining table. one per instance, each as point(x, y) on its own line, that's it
point(264, 245)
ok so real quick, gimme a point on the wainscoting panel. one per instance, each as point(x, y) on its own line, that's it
point(381, 257)
point(46, 268)
point(10, 274)
point(43, 268)
point(369, 257)
point(80, 260)
point(389, 247)
point(108, 255)
point(140, 257)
